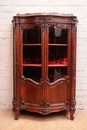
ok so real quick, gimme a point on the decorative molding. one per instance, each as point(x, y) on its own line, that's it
point(75, 28)
point(44, 18)
point(73, 105)
point(22, 78)
point(73, 68)
point(44, 104)
point(65, 26)
point(73, 65)
point(16, 66)
point(73, 20)
point(66, 103)
point(67, 79)
point(46, 25)
point(16, 108)
point(22, 102)
point(44, 111)
point(28, 26)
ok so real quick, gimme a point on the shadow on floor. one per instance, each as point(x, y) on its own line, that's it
point(32, 115)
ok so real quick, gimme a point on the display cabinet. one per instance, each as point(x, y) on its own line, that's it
point(44, 63)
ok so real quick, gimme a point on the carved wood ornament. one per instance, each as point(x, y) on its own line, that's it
point(44, 62)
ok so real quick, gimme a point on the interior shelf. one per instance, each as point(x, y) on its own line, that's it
point(32, 44)
point(57, 65)
point(32, 65)
point(53, 44)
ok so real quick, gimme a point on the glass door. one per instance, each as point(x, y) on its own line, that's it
point(32, 53)
point(58, 53)
point(31, 91)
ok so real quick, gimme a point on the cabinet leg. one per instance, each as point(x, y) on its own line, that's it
point(17, 114)
point(72, 114)
point(72, 109)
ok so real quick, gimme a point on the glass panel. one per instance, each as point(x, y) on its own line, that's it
point(58, 55)
point(32, 54)
point(32, 35)
point(56, 72)
point(58, 35)
point(32, 72)
point(58, 60)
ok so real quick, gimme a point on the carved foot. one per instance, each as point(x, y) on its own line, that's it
point(72, 117)
point(72, 114)
point(16, 115)
point(72, 109)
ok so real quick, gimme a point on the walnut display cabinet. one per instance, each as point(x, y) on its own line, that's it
point(44, 63)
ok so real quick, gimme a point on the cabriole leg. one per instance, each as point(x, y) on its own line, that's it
point(72, 114)
point(16, 114)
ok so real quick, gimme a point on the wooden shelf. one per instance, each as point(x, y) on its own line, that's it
point(57, 65)
point(32, 65)
point(33, 44)
point(53, 44)
point(49, 65)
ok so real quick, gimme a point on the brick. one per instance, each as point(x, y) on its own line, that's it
point(81, 61)
point(6, 67)
point(82, 49)
point(8, 96)
point(82, 35)
point(5, 22)
point(82, 28)
point(6, 35)
point(10, 9)
point(5, 73)
point(4, 28)
point(58, 2)
point(39, 2)
point(24, 2)
point(81, 67)
point(81, 80)
point(6, 83)
point(81, 42)
point(81, 21)
point(4, 2)
point(82, 74)
point(6, 51)
point(6, 42)
point(15, 2)
point(4, 16)
point(6, 106)
point(27, 9)
point(78, 3)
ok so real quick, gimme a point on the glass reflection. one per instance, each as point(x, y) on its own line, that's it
point(56, 73)
point(58, 35)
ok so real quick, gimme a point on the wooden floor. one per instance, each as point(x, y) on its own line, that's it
point(32, 121)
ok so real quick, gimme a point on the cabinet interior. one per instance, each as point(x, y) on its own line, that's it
point(57, 53)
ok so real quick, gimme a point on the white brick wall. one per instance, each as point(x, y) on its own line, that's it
point(9, 8)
